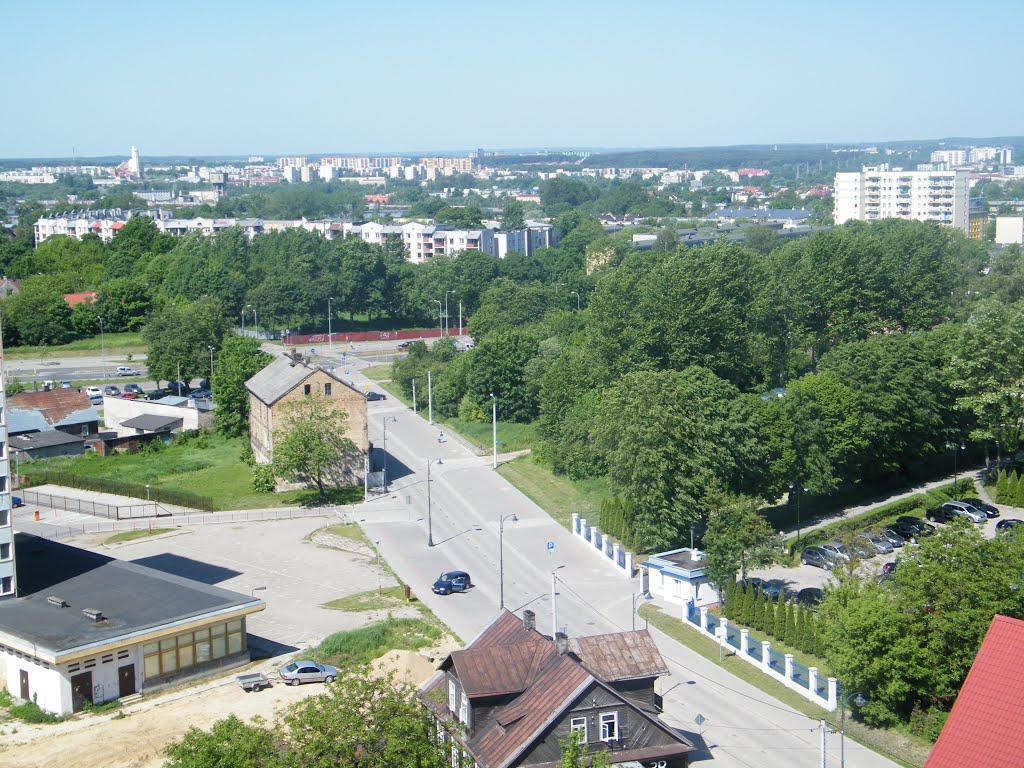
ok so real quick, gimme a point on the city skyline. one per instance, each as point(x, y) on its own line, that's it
point(264, 78)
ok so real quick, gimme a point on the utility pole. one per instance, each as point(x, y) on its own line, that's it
point(430, 400)
point(494, 427)
point(330, 336)
point(460, 317)
point(414, 395)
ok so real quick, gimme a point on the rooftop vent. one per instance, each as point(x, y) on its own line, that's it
point(94, 613)
point(60, 602)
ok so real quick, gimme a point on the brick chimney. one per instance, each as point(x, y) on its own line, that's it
point(561, 643)
point(529, 620)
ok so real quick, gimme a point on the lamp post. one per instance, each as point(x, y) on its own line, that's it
point(494, 427)
point(795, 489)
point(501, 557)
point(255, 590)
point(554, 604)
point(212, 350)
point(646, 596)
point(440, 322)
point(557, 286)
point(256, 322)
point(574, 293)
point(384, 448)
point(103, 347)
point(447, 322)
point(330, 336)
point(430, 529)
point(956, 450)
point(860, 701)
point(243, 320)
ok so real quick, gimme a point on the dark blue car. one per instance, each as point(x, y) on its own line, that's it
point(452, 581)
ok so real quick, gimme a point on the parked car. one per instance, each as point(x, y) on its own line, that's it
point(199, 394)
point(65, 384)
point(837, 550)
point(981, 506)
point(452, 581)
point(111, 390)
point(204, 384)
point(133, 387)
point(893, 536)
point(128, 395)
point(951, 510)
point(157, 394)
point(16, 501)
point(880, 545)
point(912, 528)
point(90, 391)
point(127, 370)
point(810, 597)
point(307, 672)
point(819, 558)
point(371, 396)
point(96, 399)
point(179, 388)
point(890, 567)
point(764, 588)
point(1008, 524)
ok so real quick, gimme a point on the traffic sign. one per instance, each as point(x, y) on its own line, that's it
point(551, 547)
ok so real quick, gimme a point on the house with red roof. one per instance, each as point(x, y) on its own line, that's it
point(513, 697)
point(80, 298)
point(985, 728)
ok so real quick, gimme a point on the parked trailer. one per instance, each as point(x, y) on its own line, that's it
point(255, 681)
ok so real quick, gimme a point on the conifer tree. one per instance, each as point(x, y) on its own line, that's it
point(1001, 486)
point(790, 626)
point(801, 627)
point(760, 606)
point(1011, 488)
point(779, 619)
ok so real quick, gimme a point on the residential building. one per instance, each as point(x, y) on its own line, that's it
point(876, 192)
point(951, 158)
point(678, 577)
point(986, 725)
point(513, 695)
point(63, 410)
point(168, 415)
point(977, 219)
point(8, 575)
point(1009, 229)
point(88, 628)
point(291, 378)
point(102, 223)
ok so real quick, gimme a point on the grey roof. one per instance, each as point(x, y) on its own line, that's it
point(281, 377)
point(25, 420)
point(151, 422)
point(34, 440)
point(131, 597)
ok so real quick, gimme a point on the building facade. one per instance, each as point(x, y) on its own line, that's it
point(877, 193)
point(8, 574)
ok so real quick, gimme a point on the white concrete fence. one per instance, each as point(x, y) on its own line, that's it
point(601, 543)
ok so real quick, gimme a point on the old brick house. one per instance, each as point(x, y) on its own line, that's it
point(293, 377)
point(513, 696)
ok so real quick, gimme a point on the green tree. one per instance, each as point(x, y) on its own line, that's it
point(38, 313)
point(513, 215)
point(737, 538)
point(230, 743)
point(239, 359)
point(461, 216)
point(666, 241)
point(779, 626)
point(312, 440)
point(180, 336)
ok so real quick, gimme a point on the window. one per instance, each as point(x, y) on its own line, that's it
point(452, 696)
point(440, 732)
point(579, 724)
point(5, 551)
point(327, 389)
point(5, 517)
point(305, 389)
point(455, 756)
point(609, 726)
point(187, 650)
point(6, 584)
point(464, 709)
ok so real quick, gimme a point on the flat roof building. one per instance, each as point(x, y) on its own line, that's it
point(877, 192)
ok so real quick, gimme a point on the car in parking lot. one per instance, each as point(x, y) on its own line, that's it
point(199, 394)
point(837, 550)
point(133, 387)
point(890, 567)
point(912, 528)
point(819, 557)
point(988, 510)
point(16, 501)
point(1004, 526)
point(952, 510)
point(764, 588)
point(128, 395)
point(874, 541)
point(65, 384)
point(96, 399)
point(111, 390)
point(157, 394)
point(179, 388)
point(452, 581)
point(893, 536)
point(371, 396)
point(810, 597)
point(90, 391)
point(307, 671)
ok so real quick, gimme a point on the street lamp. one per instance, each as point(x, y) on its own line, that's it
point(447, 322)
point(256, 322)
point(554, 604)
point(430, 529)
point(956, 450)
point(646, 596)
point(501, 557)
point(860, 701)
point(103, 347)
point(330, 336)
point(384, 424)
point(440, 322)
point(793, 488)
point(243, 319)
point(255, 590)
point(212, 350)
point(494, 427)
point(573, 293)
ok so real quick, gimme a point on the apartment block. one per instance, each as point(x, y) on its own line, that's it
point(952, 158)
point(877, 192)
point(8, 577)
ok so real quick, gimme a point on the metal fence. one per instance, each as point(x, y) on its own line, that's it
point(95, 508)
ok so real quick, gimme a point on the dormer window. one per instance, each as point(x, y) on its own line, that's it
point(609, 726)
point(579, 724)
point(464, 709)
point(453, 697)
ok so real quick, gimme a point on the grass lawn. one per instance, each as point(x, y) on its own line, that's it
point(374, 600)
point(558, 496)
point(363, 645)
point(350, 531)
point(378, 372)
point(899, 746)
point(142, 533)
point(511, 437)
point(216, 471)
point(393, 390)
point(114, 344)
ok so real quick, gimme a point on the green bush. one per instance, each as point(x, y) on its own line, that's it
point(193, 438)
point(247, 456)
point(471, 411)
point(30, 712)
point(262, 478)
point(927, 723)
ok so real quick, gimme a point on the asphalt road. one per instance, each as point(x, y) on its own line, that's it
point(743, 726)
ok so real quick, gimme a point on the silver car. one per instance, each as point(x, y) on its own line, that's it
point(964, 509)
point(306, 671)
point(876, 542)
point(837, 550)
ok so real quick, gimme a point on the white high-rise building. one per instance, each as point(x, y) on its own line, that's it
point(877, 192)
point(8, 577)
point(134, 164)
point(951, 158)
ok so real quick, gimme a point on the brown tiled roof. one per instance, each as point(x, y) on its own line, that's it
point(620, 655)
point(499, 669)
point(55, 405)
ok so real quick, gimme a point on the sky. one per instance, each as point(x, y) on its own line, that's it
point(222, 77)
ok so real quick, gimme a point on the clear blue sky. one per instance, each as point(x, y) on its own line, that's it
point(226, 77)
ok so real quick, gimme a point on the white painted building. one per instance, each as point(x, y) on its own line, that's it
point(951, 158)
point(877, 193)
point(1009, 230)
point(104, 223)
point(678, 577)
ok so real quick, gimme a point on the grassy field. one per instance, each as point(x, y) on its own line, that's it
point(511, 437)
point(378, 372)
point(558, 496)
point(363, 645)
point(901, 747)
point(216, 471)
point(350, 531)
point(374, 600)
point(142, 533)
point(114, 344)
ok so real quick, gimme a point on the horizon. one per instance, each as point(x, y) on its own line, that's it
point(234, 79)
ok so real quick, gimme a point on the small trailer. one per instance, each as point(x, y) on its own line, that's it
point(253, 682)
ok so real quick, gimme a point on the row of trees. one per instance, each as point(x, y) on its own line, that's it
point(788, 622)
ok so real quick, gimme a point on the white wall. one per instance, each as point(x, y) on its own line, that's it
point(45, 686)
point(117, 410)
point(1009, 229)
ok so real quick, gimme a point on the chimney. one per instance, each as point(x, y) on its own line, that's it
point(561, 643)
point(529, 620)
point(95, 614)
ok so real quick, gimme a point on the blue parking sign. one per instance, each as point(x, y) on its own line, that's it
point(551, 547)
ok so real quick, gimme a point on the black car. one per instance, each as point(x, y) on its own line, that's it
point(179, 388)
point(810, 597)
point(818, 557)
point(371, 396)
point(764, 588)
point(893, 536)
point(890, 567)
point(1008, 524)
point(452, 581)
point(406, 344)
point(157, 394)
point(912, 528)
point(199, 394)
point(133, 388)
point(981, 506)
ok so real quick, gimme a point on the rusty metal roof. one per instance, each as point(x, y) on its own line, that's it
point(620, 655)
